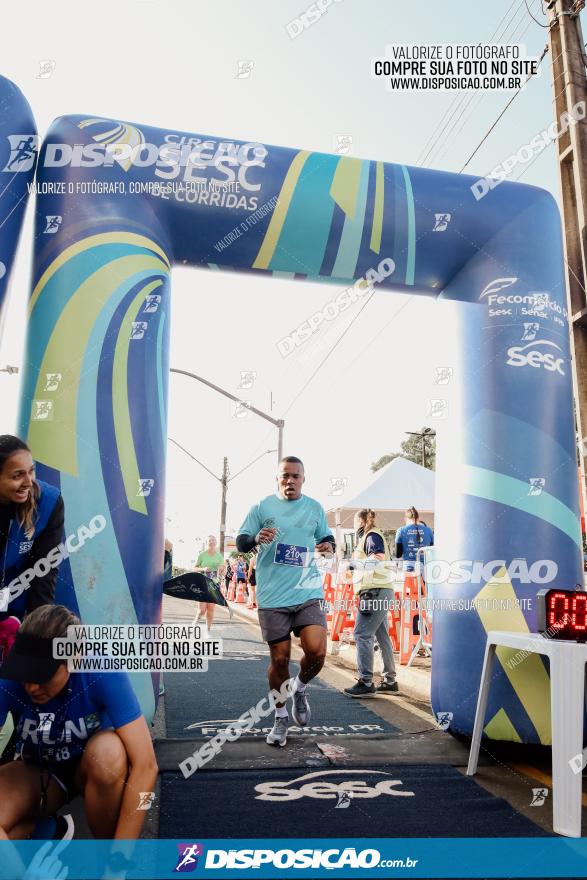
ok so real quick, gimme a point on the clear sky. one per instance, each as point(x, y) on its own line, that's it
point(173, 63)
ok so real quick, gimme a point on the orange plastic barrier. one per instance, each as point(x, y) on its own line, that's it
point(410, 619)
point(394, 618)
point(240, 593)
point(345, 609)
point(231, 592)
point(329, 593)
point(425, 618)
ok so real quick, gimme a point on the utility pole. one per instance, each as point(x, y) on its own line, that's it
point(568, 60)
point(224, 481)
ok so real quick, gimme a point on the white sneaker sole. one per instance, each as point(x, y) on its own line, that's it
point(271, 741)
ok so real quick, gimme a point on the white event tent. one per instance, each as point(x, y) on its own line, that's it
point(391, 490)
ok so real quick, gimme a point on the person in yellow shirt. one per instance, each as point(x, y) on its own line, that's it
point(374, 582)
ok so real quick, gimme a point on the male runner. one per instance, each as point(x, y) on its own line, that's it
point(290, 529)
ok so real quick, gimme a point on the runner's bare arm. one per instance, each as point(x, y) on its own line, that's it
point(142, 776)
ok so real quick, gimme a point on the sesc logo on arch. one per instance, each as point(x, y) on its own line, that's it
point(538, 354)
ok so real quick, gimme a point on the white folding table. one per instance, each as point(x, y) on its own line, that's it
point(567, 702)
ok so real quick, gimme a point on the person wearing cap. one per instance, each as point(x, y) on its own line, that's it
point(77, 733)
point(31, 526)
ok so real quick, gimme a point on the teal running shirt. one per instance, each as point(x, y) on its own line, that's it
point(281, 580)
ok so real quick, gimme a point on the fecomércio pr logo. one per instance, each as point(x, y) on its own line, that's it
point(188, 855)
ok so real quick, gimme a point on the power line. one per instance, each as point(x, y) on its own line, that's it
point(507, 106)
point(537, 156)
point(457, 99)
point(350, 364)
point(512, 36)
point(467, 98)
point(331, 350)
point(533, 18)
point(183, 449)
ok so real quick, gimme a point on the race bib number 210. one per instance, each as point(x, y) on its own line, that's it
point(291, 554)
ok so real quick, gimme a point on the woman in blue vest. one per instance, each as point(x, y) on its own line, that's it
point(412, 536)
point(31, 526)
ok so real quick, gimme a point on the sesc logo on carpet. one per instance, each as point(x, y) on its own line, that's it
point(188, 857)
point(314, 785)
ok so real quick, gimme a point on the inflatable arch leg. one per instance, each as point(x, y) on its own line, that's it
point(99, 322)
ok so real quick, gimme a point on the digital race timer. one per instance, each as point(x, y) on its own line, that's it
point(562, 614)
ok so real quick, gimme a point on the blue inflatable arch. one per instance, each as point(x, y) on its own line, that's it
point(94, 395)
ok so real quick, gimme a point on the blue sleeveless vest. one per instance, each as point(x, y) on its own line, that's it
point(17, 554)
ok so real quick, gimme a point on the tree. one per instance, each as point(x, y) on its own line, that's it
point(411, 448)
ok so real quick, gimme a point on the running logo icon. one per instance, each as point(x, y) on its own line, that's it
point(138, 329)
point(46, 68)
point(244, 68)
point(247, 379)
point(343, 144)
point(344, 800)
point(443, 719)
point(42, 410)
point(441, 222)
point(541, 300)
point(437, 408)
point(443, 375)
point(52, 223)
point(146, 800)
point(337, 485)
point(537, 484)
point(152, 302)
point(23, 152)
point(241, 409)
point(46, 719)
point(531, 328)
point(145, 486)
point(188, 856)
point(539, 796)
point(52, 381)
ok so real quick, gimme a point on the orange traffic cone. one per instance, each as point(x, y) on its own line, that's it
point(240, 593)
point(230, 596)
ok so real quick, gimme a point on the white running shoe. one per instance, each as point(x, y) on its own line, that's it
point(278, 736)
point(301, 708)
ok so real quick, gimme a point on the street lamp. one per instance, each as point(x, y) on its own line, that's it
point(279, 423)
point(8, 369)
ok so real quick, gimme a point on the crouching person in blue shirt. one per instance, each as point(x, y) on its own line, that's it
point(77, 733)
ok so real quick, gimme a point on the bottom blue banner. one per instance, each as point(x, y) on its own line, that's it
point(264, 858)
